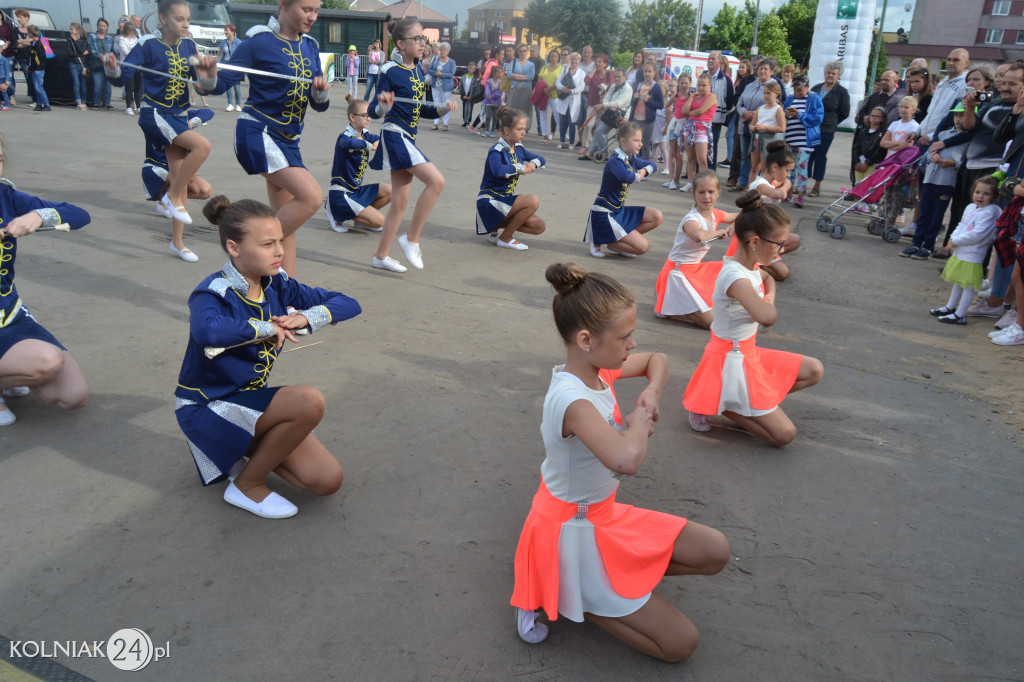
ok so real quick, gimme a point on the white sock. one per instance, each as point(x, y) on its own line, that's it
point(965, 302)
point(954, 297)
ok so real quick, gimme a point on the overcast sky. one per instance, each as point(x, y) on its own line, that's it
point(895, 16)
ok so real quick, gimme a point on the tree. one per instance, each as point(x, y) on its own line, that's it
point(772, 38)
point(733, 29)
point(576, 22)
point(798, 18)
point(663, 23)
point(333, 4)
point(729, 30)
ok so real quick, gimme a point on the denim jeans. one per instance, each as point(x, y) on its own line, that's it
point(934, 200)
point(542, 120)
point(37, 86)
point(234, 94)
point(817, 169)
point(10, 79)
point(730, 136)
point(745, 140)
point(78, 83)
point(100, 89)
point(716, 132)
point(371, 83)
point(563, 124)
point(599, 140)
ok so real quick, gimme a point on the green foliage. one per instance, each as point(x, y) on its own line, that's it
point(798, 18)
point(772, 38)
point(662, 23)
point(576, 22)
point(733, 29)
point(622, 60)
point(333, 4)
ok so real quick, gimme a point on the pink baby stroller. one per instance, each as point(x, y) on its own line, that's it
point(887, 189)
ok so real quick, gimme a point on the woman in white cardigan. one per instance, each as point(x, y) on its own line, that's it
point(570, 85)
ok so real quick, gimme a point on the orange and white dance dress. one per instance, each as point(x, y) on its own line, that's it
point(685, 283)
point(734, 374)
point(581, 551)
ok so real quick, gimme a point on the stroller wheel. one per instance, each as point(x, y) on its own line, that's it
point(876, 226)
point(837, 231)
point(892, 235)
point(600, 157)
point(823, 224)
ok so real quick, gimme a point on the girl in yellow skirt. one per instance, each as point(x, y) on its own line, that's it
point(735, 378)
point(685, 283)
point(582, 554)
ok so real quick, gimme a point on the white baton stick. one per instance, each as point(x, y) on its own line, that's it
point(194, 61)
point(157, 73)
point(705, 242)
point(63, 227)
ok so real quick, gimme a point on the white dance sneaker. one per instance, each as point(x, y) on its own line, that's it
point(337, 227)
point(388, 263)
point(700, 422)
point(273, 505)
point(6, 416)
point(515, 245)
point(412, 252)
point(530, 631)
point(17, 391)
point(595, 250)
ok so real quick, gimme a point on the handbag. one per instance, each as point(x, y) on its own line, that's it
point(1009, 182)
point(565, 81)
point(505, 84)
point(611, 117)
point(476, 92)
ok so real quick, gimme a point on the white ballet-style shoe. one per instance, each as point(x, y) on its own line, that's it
point(177, 212)
point(515, 245)
point(6, 416)
point(273, 505)
point(184, 254)
point(595, 250)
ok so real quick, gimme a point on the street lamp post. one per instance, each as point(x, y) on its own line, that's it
point(757, 18)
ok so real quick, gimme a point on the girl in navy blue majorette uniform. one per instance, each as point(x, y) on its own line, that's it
point(154, 170)
point(398, 152)
point(224, 406)
point(268, 129)
point(163, 117)
point(611, 222)
point(31, 359)
point(499, 212)
point(349, 198)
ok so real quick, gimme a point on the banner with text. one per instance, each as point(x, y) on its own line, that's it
point(844, 31)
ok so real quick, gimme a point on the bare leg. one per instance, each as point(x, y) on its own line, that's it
point(677, 158)
point(522, 216)
point(658, 628)
point(51, 372)
point(702, 320)
point(428, 174)
point(175, 159)
point(295, 197)
point(283, 442)
point(700, 150)
point(691, 163)
point(776, 428)
point(194, 148)
point(401, 183)
point(635, 242)
point(755, 166)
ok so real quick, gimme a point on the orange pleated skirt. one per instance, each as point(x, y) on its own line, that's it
point(701, 277)
point(768, 376)
point(635, 544)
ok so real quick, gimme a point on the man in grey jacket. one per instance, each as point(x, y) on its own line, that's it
point(725, 93)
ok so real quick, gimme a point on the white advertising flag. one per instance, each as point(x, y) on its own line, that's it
point(844, 31)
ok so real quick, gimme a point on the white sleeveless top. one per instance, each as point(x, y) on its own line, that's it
point(732, 321)
point(758, 181)
point(571, 472)
point(685, 250)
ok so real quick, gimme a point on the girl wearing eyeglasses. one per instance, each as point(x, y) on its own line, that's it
point(398, 152)
point(735, 378)
point(348, 198)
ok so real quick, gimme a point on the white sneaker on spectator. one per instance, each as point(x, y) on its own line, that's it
point(908, 230)
point(688, 187)
point(984, 310)
point(1008, 318)
point(1011, 336)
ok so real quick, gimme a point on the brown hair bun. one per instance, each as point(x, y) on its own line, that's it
point(749, 200)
